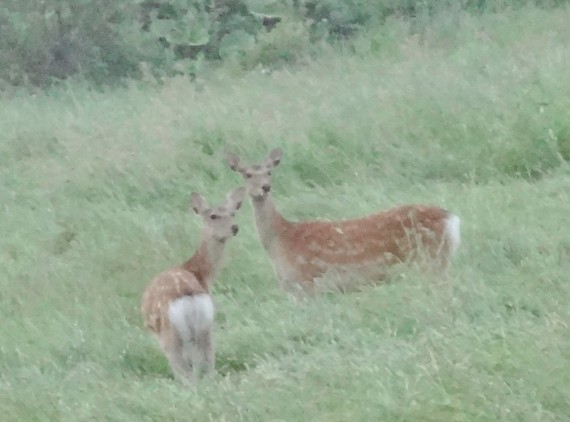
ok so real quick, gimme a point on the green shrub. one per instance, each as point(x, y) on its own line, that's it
point(105, 41)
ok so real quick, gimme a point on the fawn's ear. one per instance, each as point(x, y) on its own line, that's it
point(275, 157)
point(235, 198)
point(233, 161)
point(198, 203)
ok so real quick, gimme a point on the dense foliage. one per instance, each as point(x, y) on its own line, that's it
point(105, 40)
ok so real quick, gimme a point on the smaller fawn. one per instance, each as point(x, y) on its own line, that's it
point(177, 304)
point(351, 252)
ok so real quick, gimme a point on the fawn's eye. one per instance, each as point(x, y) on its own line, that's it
point(248, 175)
point(269, 173)
point(214, 217)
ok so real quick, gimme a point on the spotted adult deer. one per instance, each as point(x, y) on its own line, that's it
point(349, 252)
point(177, 304)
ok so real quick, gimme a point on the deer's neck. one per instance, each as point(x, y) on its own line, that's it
point(270, 223)
point(205, 263)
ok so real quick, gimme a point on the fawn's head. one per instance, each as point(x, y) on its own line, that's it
point(257, 177)
point(219, 221)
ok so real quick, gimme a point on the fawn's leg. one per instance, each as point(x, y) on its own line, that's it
point(173, 349)
point(202, 354)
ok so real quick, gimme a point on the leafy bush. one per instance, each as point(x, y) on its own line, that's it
point(104, 41)
point(60, 38)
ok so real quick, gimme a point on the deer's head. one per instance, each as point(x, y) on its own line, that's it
point(257, 177)
point(219, 220)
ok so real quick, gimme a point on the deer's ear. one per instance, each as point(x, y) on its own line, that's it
point(233, 161)
point(275, 157)
point(197, 203)
point(235, 198)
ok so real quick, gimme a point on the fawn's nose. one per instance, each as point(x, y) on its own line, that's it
point(266, 188)
point(235, 229)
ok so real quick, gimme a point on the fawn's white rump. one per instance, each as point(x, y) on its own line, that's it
point(191, 315)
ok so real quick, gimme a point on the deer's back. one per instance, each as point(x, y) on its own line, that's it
point(163, 289)
point(310, 248)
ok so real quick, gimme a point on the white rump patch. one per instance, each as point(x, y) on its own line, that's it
point(191, 315)
point(453, 232)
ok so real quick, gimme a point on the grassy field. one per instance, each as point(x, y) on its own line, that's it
point(471, 113)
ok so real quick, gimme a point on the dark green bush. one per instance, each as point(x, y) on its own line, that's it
point(104, 41)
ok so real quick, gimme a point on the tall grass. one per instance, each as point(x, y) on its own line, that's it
point(471, 113)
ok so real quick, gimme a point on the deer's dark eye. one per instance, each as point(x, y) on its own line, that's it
point(269, 173)
point(248, 175)
point(214, 217)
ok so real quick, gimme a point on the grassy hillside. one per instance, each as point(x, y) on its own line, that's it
point(471, 113)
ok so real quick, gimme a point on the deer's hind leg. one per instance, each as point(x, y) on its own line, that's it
point(199, 352)
point(172, 347)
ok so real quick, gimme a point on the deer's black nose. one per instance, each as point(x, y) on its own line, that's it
point(266, 188)
point(235, 229)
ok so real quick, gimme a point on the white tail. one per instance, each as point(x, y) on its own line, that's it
point(177, 305)
point(193, 319)
point(453, 233)
point(360, 250)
